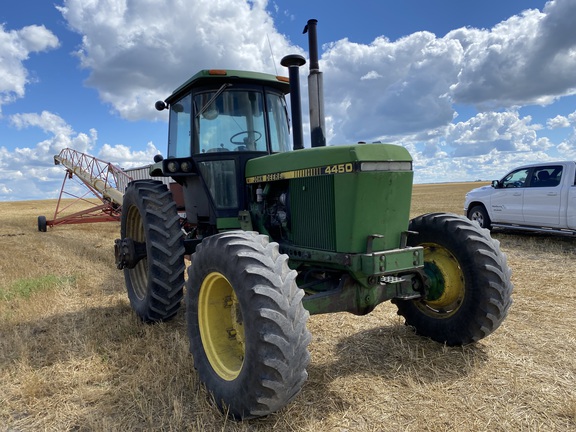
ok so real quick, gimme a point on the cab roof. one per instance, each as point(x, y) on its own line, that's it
point(218, 77)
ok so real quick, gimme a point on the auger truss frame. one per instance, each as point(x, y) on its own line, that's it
point(98, 179)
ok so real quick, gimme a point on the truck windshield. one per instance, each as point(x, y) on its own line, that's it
point(235, 120)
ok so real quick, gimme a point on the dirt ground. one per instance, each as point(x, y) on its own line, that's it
point(73, 356)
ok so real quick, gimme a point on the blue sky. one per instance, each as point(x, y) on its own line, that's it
point(472, 89)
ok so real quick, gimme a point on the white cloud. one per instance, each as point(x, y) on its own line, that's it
point(527, 59)
point(124, 157)
point(371, 75)
point(410, 85)
point(15, 48)
point(47, 121)
point(138, 52)
point(567, 148)
point(61, 136)
point(499, 131)
point(30, 172)
point(558, 122)
point(489, 166)
point(410, 93)
point(487, 143)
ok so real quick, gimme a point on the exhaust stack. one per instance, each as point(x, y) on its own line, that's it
point(315, 89)
point(293, 63)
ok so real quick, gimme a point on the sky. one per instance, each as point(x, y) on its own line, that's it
point(471, 89)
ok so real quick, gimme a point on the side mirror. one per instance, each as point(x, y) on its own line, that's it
point(495, 184)
point(160, 105)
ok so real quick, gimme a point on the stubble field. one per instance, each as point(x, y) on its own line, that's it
point(74, 357)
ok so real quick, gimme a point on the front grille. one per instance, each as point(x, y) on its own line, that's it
point(312, 212)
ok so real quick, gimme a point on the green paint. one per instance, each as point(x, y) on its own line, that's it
point(230, 223)
point(322, 156)
point(356, 298)
point(436, 282)
point(371, 203)
point(338, 212)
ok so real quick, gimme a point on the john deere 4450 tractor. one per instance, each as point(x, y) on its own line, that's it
point(277, 232)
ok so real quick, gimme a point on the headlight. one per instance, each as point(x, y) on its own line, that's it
point(186, 166)
point(173, 166)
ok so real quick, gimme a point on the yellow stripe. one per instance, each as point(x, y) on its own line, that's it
point(285, 175)
point(280, 176)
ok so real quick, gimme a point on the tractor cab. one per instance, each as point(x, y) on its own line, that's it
point(220, 119)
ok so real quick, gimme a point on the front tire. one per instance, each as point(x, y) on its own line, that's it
point(468, 281)
point(155, 284)
point(479, 215)
point(246, 324)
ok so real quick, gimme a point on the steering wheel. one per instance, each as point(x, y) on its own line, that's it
point(515, 184)
point(242, 142)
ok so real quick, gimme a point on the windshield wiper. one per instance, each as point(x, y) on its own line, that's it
point(213, 98)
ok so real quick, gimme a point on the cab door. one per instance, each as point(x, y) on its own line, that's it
point(571, 208)
point(506, 201)
point(542, 199)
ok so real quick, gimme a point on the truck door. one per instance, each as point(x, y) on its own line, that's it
point(542, 199)
point(506, 201)
point(571, 205)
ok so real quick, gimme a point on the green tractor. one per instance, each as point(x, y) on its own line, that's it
point(275, 235)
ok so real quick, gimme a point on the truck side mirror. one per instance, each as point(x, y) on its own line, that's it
point(495, 184)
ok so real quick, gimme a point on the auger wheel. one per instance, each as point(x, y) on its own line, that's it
point(246, 324)
point(468, 281)
point(151, 224)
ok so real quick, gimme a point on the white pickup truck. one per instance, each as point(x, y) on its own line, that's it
point(537, 197)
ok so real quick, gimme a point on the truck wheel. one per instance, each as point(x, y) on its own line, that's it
point(479, 215)
point(468, 281)
point(246, 324)
point(149, 217)
point(42, 224)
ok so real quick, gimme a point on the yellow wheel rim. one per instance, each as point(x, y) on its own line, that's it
point(221, 326)
point(446, 282)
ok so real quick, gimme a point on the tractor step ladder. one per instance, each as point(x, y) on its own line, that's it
point(98, 179)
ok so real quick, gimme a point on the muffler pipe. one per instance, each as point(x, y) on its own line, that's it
point(293, 63)
point(315, 89)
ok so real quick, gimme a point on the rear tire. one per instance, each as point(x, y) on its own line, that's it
point(468, 288)
point(246, 323)
point(42, 224)
point(155, 284)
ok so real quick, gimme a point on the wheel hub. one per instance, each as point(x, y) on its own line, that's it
point(445, 291)
point(221, 326)
point(128, 253)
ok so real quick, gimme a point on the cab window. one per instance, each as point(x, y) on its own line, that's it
point(230, 121)
point(516, 179)
point(278, 118)
point(220, 179)
point(179, 129)
point(548, 176)
point(240, 120)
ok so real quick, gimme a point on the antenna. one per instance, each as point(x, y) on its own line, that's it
point(272, 53)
